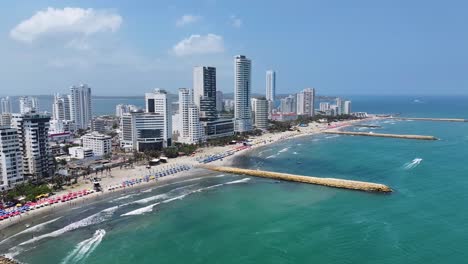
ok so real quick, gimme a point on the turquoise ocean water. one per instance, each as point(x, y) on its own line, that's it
point(240, 219)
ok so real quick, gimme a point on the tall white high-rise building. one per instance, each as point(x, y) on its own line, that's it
point(157, 102)
point(270, 85)
point(260, 112)
point(195, 132)
point(5, 105)
point(190, 127)
point(242, 94)
point(204, 92)
point(11, 160)
point(81, 106)
point(28, 104)
point(185, 100)
point(61, 108)
point(339, 106)
point(306, 102)
point(33, 134)
point(346, 107)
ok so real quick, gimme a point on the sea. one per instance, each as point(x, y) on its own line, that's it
point(225, 218)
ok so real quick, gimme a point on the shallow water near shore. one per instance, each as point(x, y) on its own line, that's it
point(241, 219)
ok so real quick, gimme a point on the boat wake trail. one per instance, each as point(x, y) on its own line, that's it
point(413, 164)
point(150, 207)
point(85, 248)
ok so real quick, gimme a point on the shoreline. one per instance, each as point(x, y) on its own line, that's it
point(120, 175)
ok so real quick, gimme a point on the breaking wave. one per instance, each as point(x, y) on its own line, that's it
point(85, 248)
point(33, 229)
point(124, 197)
point(90, 220)
point(283, 150)
point(150, 207)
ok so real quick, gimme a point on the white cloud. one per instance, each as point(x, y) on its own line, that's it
point(197, 44)
point(75, 21)
point(187, 19)
point(236, 22)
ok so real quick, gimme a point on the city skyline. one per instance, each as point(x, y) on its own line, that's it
point(123, 55)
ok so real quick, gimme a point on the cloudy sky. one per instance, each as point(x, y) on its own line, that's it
point(338, 47)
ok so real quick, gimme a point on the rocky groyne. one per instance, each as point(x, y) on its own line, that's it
point(432, 119)
point(330, 182)
point(417, 137)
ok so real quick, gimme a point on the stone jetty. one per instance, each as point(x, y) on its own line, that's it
point(330, 182)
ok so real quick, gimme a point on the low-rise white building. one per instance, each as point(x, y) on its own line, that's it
point(80, 152)
point(99, 143)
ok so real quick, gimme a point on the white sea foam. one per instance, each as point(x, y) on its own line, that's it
point(219, 176)
point(334, 136)
point(147, 191)
point(150, 207)
point(150, 199)
point(283, 150)
point(96, 218)
point(271, 156)
point(124, 197)
point(239, 181)
point(413, 164)
point(85, 248)
point(33, 229)
point(295, 153)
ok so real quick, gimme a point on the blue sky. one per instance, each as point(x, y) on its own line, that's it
point(338, 47)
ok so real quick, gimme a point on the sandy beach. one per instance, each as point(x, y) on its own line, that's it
point(117, 175)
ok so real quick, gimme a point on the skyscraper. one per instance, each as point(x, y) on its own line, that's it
point(185, 100)
point(157, 102)
point(306, 102)
point(339, 106)
point(5, 105)
point(190, 126)
point(195, 129)
point(61, 108)
point(346, 107)
point(270, 85)
point(242, 93)
point(204, 92)
point(80, 105)
point(34, 143)
point(11, 161)
point(28, 104)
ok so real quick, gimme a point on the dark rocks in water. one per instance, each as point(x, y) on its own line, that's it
point(5, 260)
